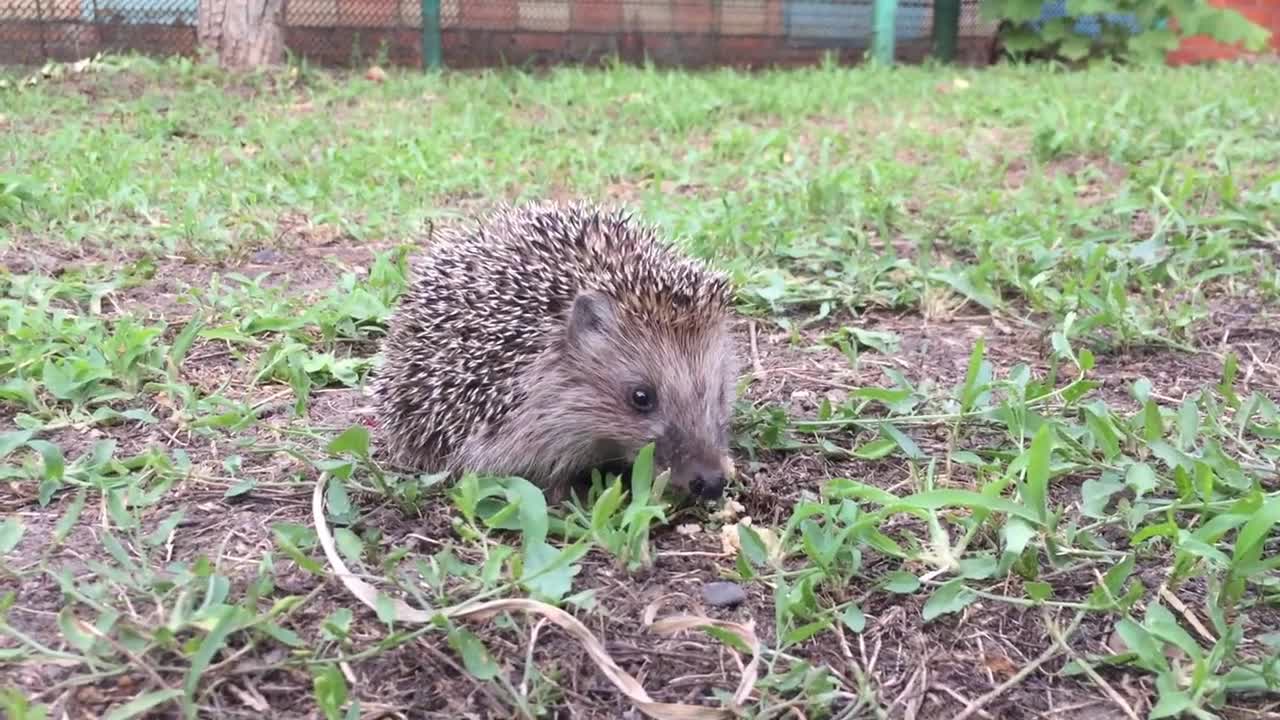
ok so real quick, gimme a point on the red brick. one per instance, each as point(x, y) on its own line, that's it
point(368, 13)
point(747, 49)
point(596, 16)
point(693, 16)
point(488, 15)
point(530, 43)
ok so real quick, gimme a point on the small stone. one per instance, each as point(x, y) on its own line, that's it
point(723, 594)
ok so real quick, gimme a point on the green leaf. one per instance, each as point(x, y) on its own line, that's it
point(950, 597)
point(1141, 478)
point(182, 343)
point(353, 440)
point(875, 449)
point(853, 618)
point(1036, 488)
point(1038, 591)
point(548, 572)
point(330, 690)
point(51, 455)
point(141, 704)
point(901, 582)
point(908, 446)
point(349, 544)
point(974, 383)
point(13, 440)
point(240, 488)
point(1141, 643)
point(804, 632)
point(1075, 48)
point(752, 546)
point(1017, 533)
point(165, 528)
point(1255, 532)
point(1095, 494)
point(642, 474)
point(11, 532)
point(935, 499)
point(71, 516)
point(475, 656)
point(209, 646)
point(532, 508)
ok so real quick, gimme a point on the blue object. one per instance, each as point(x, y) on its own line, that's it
point(140, 12)
point(850, 23)
point(1090, 25)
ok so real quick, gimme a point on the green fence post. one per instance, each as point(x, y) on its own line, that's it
point(432, 47)
point(946, 27)
point(882, 38)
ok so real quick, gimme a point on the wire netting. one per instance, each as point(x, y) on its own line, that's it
point(488, 32)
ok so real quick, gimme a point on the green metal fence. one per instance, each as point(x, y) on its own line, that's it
point(461, 33)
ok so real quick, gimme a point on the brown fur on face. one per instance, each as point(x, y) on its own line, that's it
point(579, 414)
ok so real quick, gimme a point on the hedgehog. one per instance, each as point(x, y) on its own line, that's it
point(550, 340)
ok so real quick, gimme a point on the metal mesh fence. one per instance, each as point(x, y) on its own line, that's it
point(468, 33)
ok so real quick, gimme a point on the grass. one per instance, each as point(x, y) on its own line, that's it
point(1007, 447)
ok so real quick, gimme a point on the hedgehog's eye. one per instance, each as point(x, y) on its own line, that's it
point(643, 398)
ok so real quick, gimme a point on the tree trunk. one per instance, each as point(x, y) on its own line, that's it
point(242, 33)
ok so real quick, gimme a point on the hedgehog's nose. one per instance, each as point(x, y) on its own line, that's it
point(708, 485)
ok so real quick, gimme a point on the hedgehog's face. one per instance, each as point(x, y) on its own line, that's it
point(672, 386)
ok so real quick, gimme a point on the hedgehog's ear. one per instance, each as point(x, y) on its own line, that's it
point(590, 319)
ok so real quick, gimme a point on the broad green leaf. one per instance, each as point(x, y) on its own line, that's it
point(950, 597)
point(549, 572)
point(11, 532)
point(241, 488)
point(1095, 494)
point(1038, 591)
point(901, 582)
point(1141, 478)
point(1255, 531)
point(853, 618)
point(532, 510)
point(14, 439)
point(141, 704)
point(349, 544)
point(330, 690)
point(1017, 533)
point(51, 455)
point(875, 449)
point(353, 440)
point(475, 656)
point(752, 546)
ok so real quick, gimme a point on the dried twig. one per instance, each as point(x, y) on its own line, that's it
point(1059, 646)
point(1060, 639)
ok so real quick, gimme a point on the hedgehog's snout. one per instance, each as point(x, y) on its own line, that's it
point(703, 478)
point(707, 483)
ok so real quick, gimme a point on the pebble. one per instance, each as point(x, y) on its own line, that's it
point(723, 594)
point(266, 256)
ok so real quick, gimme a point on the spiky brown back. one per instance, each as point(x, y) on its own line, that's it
point(487, 302)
